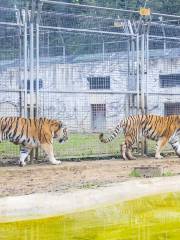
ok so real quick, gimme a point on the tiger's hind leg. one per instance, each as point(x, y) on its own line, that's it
point(24, 153)
point(129, 154)
point(127, 147)
point(123, 151)
point(160, 145)
point(48, 149)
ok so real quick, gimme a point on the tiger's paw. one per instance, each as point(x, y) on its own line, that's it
point(159, 157)
point(55, 162)
point(22, 164)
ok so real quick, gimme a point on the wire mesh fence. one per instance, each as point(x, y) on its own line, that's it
point(11, 71)
point(88, 66)
point(84, 62)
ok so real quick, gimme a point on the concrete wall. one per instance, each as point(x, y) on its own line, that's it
point(66, 94)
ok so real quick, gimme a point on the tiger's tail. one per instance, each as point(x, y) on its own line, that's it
point(114, 134)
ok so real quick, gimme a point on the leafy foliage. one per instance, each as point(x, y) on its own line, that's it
point(163, 6)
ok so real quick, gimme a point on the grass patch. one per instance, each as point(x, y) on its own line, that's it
point(9, 150)
point(78, 145)
point(83, 145)
point(90, 185)
point(167, 174)
point(134, 173)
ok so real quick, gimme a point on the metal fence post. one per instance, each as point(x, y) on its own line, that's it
point(142, 75)
point(25, 61)
point(37, 69)
point(32, 95)
point(142, 85)
point(137, 71)
point(31, 69)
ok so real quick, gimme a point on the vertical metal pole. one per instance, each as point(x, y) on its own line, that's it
point(128, 96)
point(25, 65)
point(48, 43)
point(64, 54)
point(37, 65)
point(147, 79)
point(133, 69)
point(103, 50)
point(20, 76)
point(147, 69)
point(37, 71)
point(142, 89)
point(137, 71)
point(64, 67)
point(142, 74)
point(31, 69)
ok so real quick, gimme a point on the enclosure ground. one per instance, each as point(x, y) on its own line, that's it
point(70, 176)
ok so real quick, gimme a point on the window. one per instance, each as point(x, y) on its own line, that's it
point(172, 108)
point(169, 80)
point(34, 111)
point(99, 82)
point(98, 113)
point(34, 85)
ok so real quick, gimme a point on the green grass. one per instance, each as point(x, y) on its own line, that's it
point(134, 173)
point(8, 150)
point(78, 145)
point(167, 174)
point(83, 145)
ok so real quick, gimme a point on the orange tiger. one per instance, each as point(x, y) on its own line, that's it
point(32, 133)
point(162, 129)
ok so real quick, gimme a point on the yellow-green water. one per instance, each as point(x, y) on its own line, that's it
point(148, 218)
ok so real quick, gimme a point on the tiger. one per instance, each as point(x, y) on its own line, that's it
point(162, 129)
point(32, 133)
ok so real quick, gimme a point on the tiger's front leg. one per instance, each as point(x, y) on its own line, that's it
point(159, 147)
point(127, 146)
point(48, 149)
point(24, 152)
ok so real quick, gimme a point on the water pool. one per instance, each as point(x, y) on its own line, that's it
point(155, 217)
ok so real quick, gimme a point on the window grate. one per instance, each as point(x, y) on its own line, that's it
point(98, 116)
point(169, 80)
point(99, 82)
point(172, 108)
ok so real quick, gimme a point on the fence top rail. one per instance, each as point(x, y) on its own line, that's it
point(11, 24)
point(86, 30)
point(164, 37)
point(9, 9)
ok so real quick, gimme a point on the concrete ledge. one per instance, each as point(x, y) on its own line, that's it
point(48, 204)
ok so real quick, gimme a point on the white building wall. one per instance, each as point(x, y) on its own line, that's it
point(66, 94)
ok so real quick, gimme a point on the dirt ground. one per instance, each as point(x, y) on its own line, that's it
point(70, 176)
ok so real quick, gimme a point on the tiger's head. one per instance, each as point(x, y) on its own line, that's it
point(59, 131)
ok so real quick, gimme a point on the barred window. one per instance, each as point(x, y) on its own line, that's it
point(98, 112)
point(172, 108)
point(34, 85)
point(169, 80)
point(34, 111)
point(99, 82)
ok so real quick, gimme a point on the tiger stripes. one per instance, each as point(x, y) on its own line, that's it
point(162, 129)
point(32, 133)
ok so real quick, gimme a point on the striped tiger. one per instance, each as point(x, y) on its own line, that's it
point(162, 129)
point(32, 133)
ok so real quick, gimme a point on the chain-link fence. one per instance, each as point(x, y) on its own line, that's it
point(90, 67)
point(11, 70)
point(85, 58)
